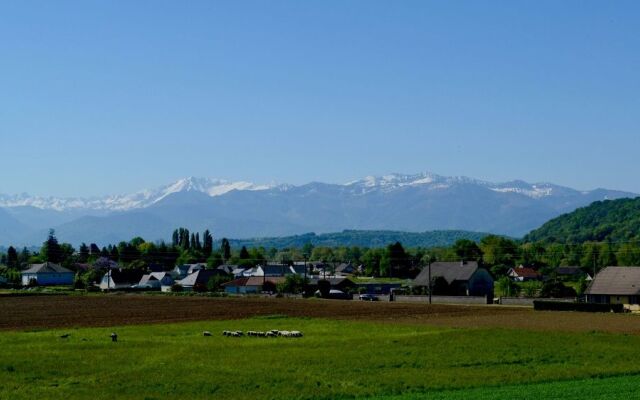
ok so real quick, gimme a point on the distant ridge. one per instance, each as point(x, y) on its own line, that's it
point(394, 202)
point(609, 220)
point(371, 239)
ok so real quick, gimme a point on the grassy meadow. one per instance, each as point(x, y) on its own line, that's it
point(335, 359)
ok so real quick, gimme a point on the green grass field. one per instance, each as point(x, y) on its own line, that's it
point(335, 359)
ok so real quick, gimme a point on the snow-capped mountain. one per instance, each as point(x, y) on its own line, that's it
point(417, 202)
point(141, 199)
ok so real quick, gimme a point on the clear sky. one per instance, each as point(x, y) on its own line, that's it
point(101, 97)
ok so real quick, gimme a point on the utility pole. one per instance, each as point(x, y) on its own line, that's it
point(430, 285)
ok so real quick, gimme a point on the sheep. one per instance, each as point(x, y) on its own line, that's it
point(296, 333)
point(114, 337)
point(206, 333)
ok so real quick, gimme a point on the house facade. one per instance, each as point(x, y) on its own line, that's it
point(47, 274)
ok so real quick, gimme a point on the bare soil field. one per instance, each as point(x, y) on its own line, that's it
point(34, 312)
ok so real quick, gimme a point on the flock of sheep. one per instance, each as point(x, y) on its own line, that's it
point(271, 333)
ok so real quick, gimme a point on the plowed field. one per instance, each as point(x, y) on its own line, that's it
point(20, 313)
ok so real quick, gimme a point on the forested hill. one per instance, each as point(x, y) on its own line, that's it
point(616, 220)
point(363, 239)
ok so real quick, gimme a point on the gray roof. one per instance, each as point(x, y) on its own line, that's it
point(47, 268)
point(200, 276)
point(450, 271)
point(623, 281)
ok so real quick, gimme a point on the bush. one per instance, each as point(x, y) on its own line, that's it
point(177, 288)
point(556, 289)
point(541, 305)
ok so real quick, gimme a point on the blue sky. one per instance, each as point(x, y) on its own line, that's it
point(101, 97)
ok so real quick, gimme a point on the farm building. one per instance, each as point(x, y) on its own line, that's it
point(47, 274)
point(255, 284)
point(523, 274)
point(116, 279)
point(462, 278)
point(615, 285)
point(199, 278)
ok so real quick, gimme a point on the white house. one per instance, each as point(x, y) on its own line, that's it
point(47, 274)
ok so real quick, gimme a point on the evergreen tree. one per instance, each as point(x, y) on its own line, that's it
point(94, 250)
point(51, 251)
point(83, 253)
point(175, 238)
point(12, 258)
point(23, 257)
point(198, 244)
point(225, 249)
point(207, 246)
point(244, 254)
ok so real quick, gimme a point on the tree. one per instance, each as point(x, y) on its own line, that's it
point(244, 253)
point(294, 284)
point(51, 251)
point(507, 287)
point(531, 288)
point(225, 249)
point(83, 253)
point(207, 244)
point(466, 249)
point(12, 258)
point(214, 284)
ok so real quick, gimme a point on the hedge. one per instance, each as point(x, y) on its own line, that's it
point(541, 305)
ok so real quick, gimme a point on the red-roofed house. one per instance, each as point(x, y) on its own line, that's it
point(522, 274)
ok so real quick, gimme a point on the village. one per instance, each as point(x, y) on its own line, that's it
point(460, 282)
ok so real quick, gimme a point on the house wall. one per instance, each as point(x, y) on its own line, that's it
point(612, 299)
point(481, 283)
point(65, 278)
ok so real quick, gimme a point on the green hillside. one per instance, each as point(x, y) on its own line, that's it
point(615, 220)
point(363, 239)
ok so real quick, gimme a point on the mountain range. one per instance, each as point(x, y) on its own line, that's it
point(413, 203)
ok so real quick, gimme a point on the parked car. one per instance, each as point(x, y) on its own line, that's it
point(368, 297)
